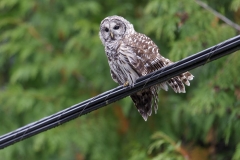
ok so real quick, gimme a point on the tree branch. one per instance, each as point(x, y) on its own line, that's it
point(219, 15)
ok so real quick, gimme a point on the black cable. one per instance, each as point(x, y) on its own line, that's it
point(222, 49)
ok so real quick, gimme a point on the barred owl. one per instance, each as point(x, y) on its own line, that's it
point(132, 55)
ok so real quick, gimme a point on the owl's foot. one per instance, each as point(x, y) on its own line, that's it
point(126, 84)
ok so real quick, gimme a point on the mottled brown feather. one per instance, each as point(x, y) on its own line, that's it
point(132, 55)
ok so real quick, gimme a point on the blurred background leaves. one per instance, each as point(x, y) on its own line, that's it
point(51, 58)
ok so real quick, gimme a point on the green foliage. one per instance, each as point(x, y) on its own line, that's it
point(51, 58)
point(237, 153)
point(235, 5)
point(169, 150)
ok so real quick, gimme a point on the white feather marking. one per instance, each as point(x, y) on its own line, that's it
point(187, 83)
point(190, 77)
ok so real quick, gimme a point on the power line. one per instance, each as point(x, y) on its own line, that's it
point(222, 49)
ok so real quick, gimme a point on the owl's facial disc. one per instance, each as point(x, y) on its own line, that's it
point(113, 30)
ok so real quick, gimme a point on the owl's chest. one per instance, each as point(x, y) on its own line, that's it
point(117, 62)
point(112, 56)
point(116, 56)
point(121, 67)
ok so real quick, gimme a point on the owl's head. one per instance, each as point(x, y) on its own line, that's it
point(114, 28)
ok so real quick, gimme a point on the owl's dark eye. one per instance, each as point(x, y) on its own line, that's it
point(106, 29)
point(116, 27)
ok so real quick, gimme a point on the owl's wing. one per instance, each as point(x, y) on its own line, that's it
point(148, 53)
point(141, 61)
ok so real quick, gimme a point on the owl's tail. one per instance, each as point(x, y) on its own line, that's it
point(177, 83)
point(144, 101)
point(147, 99)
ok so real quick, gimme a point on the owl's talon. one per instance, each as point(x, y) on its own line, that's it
point(126, 84)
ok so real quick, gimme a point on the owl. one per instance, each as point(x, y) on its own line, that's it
point(131, 55)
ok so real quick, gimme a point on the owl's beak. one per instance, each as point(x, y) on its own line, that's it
point(111, 34)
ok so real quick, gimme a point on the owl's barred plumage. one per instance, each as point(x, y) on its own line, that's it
point(132, 55)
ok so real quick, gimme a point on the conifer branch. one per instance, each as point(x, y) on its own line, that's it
point(219, 15)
